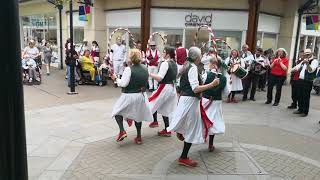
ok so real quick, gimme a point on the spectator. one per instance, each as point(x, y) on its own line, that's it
point(47, 55)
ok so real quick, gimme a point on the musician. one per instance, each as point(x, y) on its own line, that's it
point(212, 100)
point(118, 56)
point(132, 104)
point(308, 72)
point(236, 83)
point(153, 56)
point(294, 81)
point(187, 121)
point(278, 74)
point(268, 54)
point(246, 55)
point(142, 53)
point(164, 99)
point(181, 55)
point(258, 65)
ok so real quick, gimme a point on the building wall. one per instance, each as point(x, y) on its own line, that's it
point(218, 4)
point(275, 7)
point(35, 8)
point(120, 4)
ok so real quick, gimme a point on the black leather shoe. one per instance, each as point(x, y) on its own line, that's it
point(268, 102)
point(303, 115)
point(275, 104)
point(297, 112)
point(292, 107)
point(252, 99)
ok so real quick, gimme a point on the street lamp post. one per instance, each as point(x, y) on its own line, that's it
point(70, 54)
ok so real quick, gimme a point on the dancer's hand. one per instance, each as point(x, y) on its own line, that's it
point(114, 77)
point(215, 82)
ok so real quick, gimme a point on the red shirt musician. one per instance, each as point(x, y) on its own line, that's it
point(279, 66)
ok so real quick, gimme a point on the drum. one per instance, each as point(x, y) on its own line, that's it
point(257, 68)
point(239, 71)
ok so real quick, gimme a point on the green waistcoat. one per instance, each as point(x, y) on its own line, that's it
point(138, 80)
point(171, 74)
point(216, 92)
point(185, 86)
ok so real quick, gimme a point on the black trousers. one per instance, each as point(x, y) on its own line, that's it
point(262, 81)
point(251, 81)
point(295, 85)
point(278, 82)
point(303, 93)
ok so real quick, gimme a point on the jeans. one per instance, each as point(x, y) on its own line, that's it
point(76, 76)
point(278, 82)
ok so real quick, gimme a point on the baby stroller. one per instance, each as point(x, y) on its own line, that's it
point(27, 69)
point(316, 82)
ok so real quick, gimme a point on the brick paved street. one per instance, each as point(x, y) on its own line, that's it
point(73, 137)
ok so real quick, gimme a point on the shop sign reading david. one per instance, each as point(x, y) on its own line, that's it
point(197, 20)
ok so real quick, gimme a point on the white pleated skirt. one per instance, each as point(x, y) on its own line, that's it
point(166, 103)
point(214, 113)
point(133, 106)
point(236, 83)
point(187, 120)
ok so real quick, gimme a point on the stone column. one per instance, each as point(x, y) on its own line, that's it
point(253, 19)
point(95, 29)
point(288, 29)
point(145, 22)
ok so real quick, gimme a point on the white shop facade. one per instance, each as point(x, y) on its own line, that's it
point(182, 24)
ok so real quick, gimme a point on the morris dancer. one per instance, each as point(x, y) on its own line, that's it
point(117, 57)
point(212, 100)
point(153, 56)
point(236, 83)
point(164, 100)
point(187, 120)
point(143, 55)
point(206, 58)
point(132, 104)
point(181, 55)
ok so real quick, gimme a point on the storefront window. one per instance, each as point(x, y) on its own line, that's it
point(269, 41)
point(39, 27)
point(78, 34)
point(316, 48)
point(310, 42)
point(233, 38)
point(173, 35)
point(125, 36)
point(259, 39)
point(301, 45)
point(203, 37)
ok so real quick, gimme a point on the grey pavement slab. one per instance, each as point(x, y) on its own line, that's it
point(73, 137)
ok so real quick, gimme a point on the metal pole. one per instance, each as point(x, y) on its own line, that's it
point(72, 63)
point(297, 40)
point(48, 19)
point(60, 27)
point(13, 154)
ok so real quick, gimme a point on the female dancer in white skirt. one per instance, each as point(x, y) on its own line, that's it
point(132, 104)
point(212, 100)
point(164, 99)
point(187, 121)
point(236, 82)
